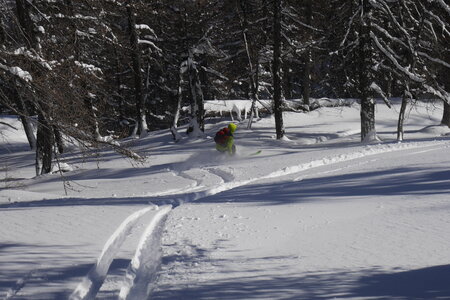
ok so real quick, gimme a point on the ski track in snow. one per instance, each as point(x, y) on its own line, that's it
point(144, 265)
point(229, 183)
point(369, 151)
point(91, 284)
point(224, 175)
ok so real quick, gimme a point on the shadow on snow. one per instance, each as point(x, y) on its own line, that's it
point(426, 283)
point(400, 181)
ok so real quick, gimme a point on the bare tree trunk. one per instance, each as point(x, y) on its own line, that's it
point(446, 115)
point(28, 128)
point(308, 59)
point(26, 22)
point(251, 71)
point(136, 57)
point(2, 31)
point(25, 118)
point(93, 116)
point(401, 117)
point(176, 115)
point(44, 146)
point(197, 104)
point(58, 140)
point(45, 135)
point(278, 104)
point(365, 62)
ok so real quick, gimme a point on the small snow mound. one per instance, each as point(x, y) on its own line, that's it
point(108, 139)
point(61, 167)
point(436, 130)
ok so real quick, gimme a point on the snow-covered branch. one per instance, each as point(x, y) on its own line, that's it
point(17, 71)
point(444, 5)
point(374, 87)
point(389, 54)
point(89, 68)
point(33, 57)
point(349, 26)
point(441, 94)
point(150, 43)
point(388, 35)
point(433, 59)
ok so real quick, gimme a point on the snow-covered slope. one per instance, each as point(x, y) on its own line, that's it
point(315, 216)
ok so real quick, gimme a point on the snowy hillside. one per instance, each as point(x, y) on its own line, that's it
point(315, 216)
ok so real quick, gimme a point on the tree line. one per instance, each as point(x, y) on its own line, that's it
point(94, 70)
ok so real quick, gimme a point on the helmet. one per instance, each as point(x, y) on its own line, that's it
point(232, 127)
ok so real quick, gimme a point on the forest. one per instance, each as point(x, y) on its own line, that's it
point(93, 71)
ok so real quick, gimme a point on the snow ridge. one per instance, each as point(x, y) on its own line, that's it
point(368, 151)
point(90, 284)
point(346, 157)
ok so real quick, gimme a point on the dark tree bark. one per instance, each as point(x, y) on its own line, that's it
point(446, 115)
point(278, 104)
point(88, 103)
point(252, 72)
point(2, 31)
point(308, 58)
point(365, 77)
point(197, 104)
point(44, 145)
point(26, 22)
point(25, 118)
point(58, 140)
point(45, 134)
point(401, 117)
point(136, 57)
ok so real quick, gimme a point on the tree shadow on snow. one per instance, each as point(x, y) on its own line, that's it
point(40, 279)
point(427, 283)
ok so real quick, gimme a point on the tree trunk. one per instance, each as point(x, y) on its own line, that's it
point(252, 75)
point(28, 128)
point(287, 80)
point(307, 79)
point(25, 118)
point(136, 57)
point(252, 79)
point(58, 140)
point(278, 104)
point(2, 31)
point(176, 116)
point(93, 116)
point(365, 70)
point(446, 115)
point(197, 106)
point(308, 58)
point(26, 22)
point(44, 146)
point(401, 118)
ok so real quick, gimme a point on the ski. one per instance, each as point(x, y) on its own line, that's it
point(256, 153)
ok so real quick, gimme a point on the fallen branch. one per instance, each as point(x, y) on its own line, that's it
point(9, 125)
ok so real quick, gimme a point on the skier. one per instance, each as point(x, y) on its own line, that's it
point(224, 139)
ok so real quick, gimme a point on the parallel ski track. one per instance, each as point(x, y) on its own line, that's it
point(90, 284)
point(144, 265)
